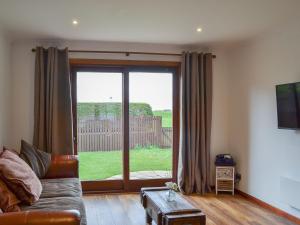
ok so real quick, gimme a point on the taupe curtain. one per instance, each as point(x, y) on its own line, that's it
point(195, 123)
point(53, 126)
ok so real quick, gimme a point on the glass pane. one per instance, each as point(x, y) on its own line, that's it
point(150, 125)
point(99, 125)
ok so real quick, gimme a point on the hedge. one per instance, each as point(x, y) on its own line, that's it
point(112, 109)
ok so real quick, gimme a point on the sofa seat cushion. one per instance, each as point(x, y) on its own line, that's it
point(58, 204)
point(62, 187)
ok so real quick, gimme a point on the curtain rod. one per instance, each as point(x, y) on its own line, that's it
point(127, 53)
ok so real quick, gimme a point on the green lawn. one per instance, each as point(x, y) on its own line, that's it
point(166, 117)
point(102, 165)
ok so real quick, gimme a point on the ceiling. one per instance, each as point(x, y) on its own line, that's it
point(152, 21)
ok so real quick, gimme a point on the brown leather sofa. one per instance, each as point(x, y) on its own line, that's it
point(60, 202)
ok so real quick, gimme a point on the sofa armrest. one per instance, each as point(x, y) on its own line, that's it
point(70, 217)
point(63, 166)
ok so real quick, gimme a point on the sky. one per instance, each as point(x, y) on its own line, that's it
point(152, 88)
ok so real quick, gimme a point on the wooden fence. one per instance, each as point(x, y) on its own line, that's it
point(167, 137)
point(106, 134)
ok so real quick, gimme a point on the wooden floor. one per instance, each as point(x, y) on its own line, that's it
point(125, 209)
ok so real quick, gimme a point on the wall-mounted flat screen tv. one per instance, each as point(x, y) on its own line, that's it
point(288, 105)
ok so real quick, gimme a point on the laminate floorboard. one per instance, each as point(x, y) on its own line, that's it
point(126, 209)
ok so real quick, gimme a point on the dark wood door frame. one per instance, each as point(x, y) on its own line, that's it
point(126, 167)
point(124, 66)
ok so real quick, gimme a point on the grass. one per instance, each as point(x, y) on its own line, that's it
point(166, 117)
point(102, 165)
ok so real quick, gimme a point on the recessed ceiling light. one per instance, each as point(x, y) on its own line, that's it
point(199, 29)
point(75, 22)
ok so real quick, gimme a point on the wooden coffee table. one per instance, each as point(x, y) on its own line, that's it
point(163, 212)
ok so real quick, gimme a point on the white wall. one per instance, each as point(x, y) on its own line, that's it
point(23, 84)
point(220, 107)
point(22, 92)
point(263, 152)
point(4, 89)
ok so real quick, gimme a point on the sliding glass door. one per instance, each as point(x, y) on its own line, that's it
point(126, 122)
point(150, 125)
point(99, 125)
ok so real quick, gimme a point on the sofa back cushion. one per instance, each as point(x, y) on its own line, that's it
point(38, 160)
point(19, 177)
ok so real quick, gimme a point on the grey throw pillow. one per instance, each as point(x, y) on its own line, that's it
point(38, 160)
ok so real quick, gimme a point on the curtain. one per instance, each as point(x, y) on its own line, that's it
point(53, 122)
point(195, 123)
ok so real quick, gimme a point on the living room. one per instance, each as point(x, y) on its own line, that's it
point(121, 96)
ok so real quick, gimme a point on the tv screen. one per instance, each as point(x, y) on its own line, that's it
point(288, 105)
